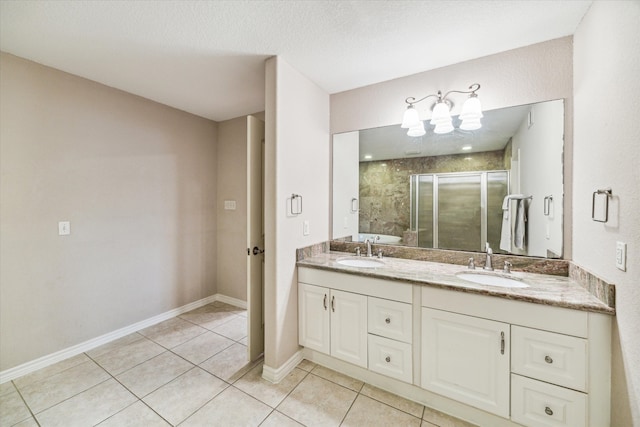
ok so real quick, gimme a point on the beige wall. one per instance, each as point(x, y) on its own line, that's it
point(536, 73)
point(296, 161)
point(232, 224)
point(607, 154)
point(136, 179)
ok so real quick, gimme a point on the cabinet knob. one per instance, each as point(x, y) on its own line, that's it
point(388, 359)
point(548, 359)
point(548, 411)
point(387, 320)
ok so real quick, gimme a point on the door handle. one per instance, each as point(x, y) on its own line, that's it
point(257, 250)
point(333, 303)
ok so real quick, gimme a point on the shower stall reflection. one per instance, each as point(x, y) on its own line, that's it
point(459, 211)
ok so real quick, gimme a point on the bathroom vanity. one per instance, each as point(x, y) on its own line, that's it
point(534, 351)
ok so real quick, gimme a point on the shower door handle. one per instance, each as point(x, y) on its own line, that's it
point(257, 250)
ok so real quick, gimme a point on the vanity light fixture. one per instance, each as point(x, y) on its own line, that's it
point(441, 117)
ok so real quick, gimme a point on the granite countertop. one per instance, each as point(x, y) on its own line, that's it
point(543, 289)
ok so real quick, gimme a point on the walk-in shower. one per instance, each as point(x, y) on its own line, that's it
point(461, 210)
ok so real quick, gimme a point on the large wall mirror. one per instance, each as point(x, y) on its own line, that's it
point(501, 184)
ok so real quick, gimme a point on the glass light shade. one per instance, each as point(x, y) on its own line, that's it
point(470, 124)
point(417, 130)
point(410, 118)
point(471, 109)
point(443, 128)
point(441, 114)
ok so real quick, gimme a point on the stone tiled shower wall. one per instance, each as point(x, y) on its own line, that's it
point(385, 203)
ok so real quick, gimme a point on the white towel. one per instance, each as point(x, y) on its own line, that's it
point(519, 229)
point(505, 235)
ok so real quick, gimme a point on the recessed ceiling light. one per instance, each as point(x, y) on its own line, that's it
point(466, 147)
point(368, 157)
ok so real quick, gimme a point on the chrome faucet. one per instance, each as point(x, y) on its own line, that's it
point(488, 265)
point(368, 243)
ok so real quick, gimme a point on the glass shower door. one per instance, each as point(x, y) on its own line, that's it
point(425, 211)
point(460, 213)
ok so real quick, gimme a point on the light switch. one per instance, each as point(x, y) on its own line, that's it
point(229, 205)
point(305, 228)
point(621, 256)
point(64, 228)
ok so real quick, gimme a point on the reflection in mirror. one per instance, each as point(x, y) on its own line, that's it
point(501, 184)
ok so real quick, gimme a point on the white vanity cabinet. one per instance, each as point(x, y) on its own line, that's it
point(551, 367)
point(467, 359)
point(364, 321)
point(333, 322)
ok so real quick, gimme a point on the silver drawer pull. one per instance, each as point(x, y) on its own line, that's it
point(548, 359)
point(387, 320)
point(388, 359)
point(548, 411)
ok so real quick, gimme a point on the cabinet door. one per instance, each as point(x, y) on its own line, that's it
point(466, 358)
point(313, 317)
point(349, 327)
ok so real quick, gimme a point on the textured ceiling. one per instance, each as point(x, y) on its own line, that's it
point(207, 57)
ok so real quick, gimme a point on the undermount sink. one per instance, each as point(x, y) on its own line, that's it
point(361, 262)
point(492, 280)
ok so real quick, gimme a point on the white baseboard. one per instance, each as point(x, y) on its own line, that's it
point(58, 356)
point(275, 375)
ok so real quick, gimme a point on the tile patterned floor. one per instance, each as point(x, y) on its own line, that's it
point(191, 371)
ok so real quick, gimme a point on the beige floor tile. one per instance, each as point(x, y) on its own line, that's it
point(12, 409)
point(53, 390)
point(306, 365)
point(234, 329)
point(230, 408)
point(50, 371)
point(136, 415)
point(427, 424)
point(178, 333)
point(337, 378)
point(185, 395)
point(230, 364)
point(125, 357)
point(277, 419)
point(208, 315)
point(219, 305)
point(6, 388)
point(443, 420)
point(174, 322)
point(254, 385)
point(391, 399)
point(30, 422)
point(368, 412)
point(156, 372)
point(202, 347)
point(89, 407)
point(316, 401)
point(114, 345)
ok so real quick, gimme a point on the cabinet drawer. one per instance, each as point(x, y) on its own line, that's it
point(391, 358)
point(538, 404)
point(547, 356)
point(390, 319)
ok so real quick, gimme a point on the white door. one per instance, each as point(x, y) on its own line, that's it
point(313, 314)
point(349, 327)
point(466, 358)
point(255, 238)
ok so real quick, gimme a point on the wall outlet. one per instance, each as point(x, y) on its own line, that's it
point(305, 228)
point(229, 205)
point(64, 228)
point(621, 256)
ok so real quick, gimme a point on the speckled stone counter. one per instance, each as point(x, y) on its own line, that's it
point(543, 289)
